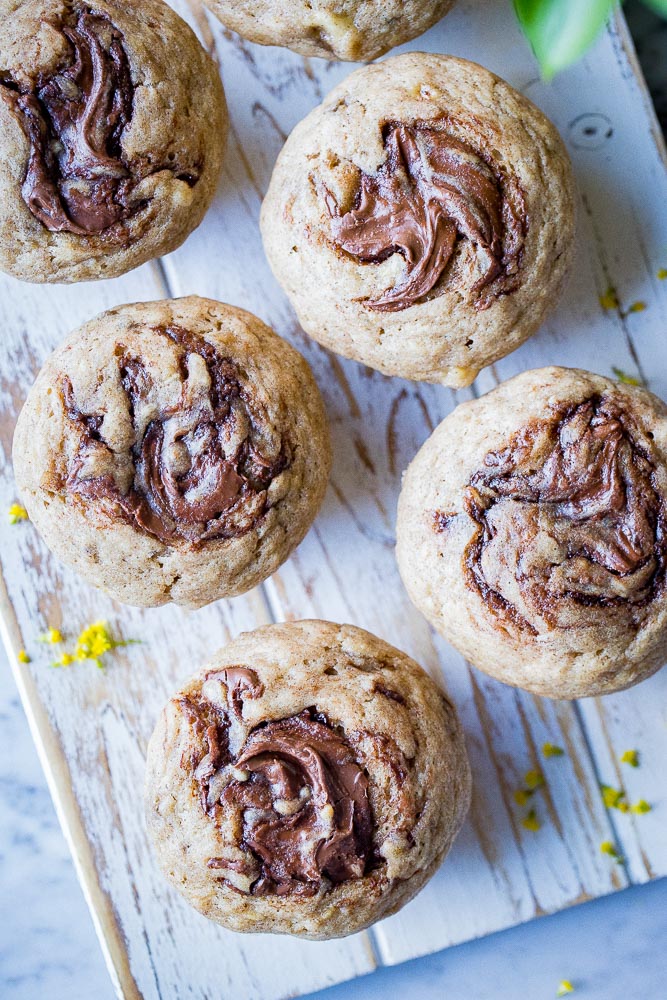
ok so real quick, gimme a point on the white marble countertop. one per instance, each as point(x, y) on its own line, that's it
point(611, 949)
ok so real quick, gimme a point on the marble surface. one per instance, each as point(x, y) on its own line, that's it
point(611, 949)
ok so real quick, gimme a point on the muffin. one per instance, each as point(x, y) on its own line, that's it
point(422, 218)
point(355, 30)
point(309, 780)
point(532, 532)
point(173, 451)
point(111, 148)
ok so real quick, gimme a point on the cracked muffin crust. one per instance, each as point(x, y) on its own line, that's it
point(110, 149)
point(532, 532)
point(421, 220)
point(353, 30)
point(173, 451)
point(308, 780)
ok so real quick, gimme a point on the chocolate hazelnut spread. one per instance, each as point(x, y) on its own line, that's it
point(569, 516)
point(432, 191)
point(306, 807)
point(300, 795)
point(199, 470)
point(78, 179)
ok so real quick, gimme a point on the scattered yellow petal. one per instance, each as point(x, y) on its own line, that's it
point(551, 750)
point(662, 274)
point(625, 378)
point(522, 796)
point(613, 798)
point(17, 513)
point(610, 299)
point(531, 822)
point(565, 987)
point(630, 757)
point(637, 307)
point(95, 641)
point(608, 848)
point(53, 637)
point(65, 661)
point(641, 807)
point(533, 779)
point(23, 656)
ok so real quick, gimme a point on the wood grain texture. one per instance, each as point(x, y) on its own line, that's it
point(92, 728)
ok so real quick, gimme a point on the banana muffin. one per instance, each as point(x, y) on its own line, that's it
point(421, 220)
point(309, 780)
point(353, 30)
point(532, 532)
point(173, 451)
point(110, 147)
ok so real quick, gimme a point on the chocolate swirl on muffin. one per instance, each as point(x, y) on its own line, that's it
point(297, 794)
point(78, 179)
point(432, 191)
point(569, 516)
point(287, 792)
point(198, 470)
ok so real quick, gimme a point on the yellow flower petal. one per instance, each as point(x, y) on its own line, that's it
point(533, 779)
point(17, 513)
point(22, 656)
point(565, 987)
point(92, 644)
point(662, 274)
point(95, 641)
point(531, 822)
point(551, 750)
point(607, 847)
point(630, 757)
point(52, 637)
point(522, 796)
point(610, 299)
point(637, 307)
point(612, 797)
point(65, 660)
point(641, 807)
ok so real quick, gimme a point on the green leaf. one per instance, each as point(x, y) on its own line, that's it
point(560, 31)
point(659, 6)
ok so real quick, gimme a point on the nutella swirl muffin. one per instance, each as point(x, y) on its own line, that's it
point(421, 220)
point(532, 532)
point(353, 30)
point(111, 146)
point(309, 780)
point(173, 451)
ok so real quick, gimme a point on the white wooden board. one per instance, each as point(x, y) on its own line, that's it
point(91, 728)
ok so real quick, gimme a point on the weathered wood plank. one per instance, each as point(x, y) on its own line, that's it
point(345, 569)
point(622, 173)
point(92, 728)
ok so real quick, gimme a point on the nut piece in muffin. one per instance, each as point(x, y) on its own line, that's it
point(352, 30)
point(309, 780)
point(532, 532)
point(112, 127)
point(173, 451)
point(421, 220)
